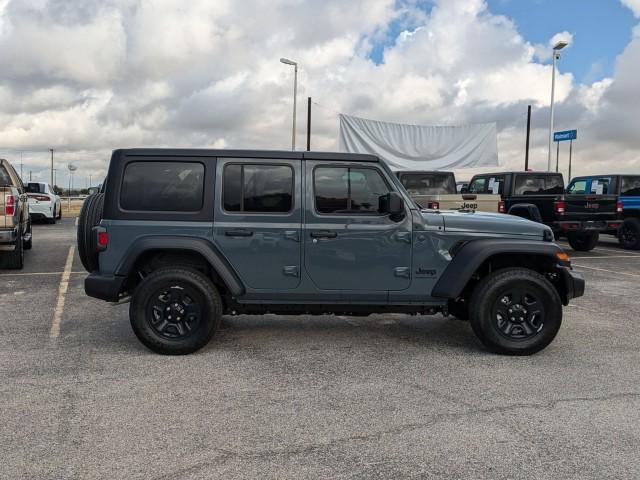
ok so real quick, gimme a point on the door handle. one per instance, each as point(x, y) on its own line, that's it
point(324, 234)
point(238, 233)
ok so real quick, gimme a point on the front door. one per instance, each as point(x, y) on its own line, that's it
point(348, 243)
point(258, 217)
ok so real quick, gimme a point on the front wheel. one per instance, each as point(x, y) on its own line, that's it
point(175, 311)
point(515, 311)
point(583, 242)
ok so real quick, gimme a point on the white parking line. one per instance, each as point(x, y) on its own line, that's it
point(62, 292)
point(606, 257)
point(605, 249)
point(26, 274)
point(605, 270)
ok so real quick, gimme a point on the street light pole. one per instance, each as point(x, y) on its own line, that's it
point(286, 61)
point(556, 56)
point(51, 150)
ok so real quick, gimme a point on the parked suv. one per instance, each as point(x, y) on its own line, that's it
point(627, 188)
point(15, 225)
point(190, 235)
point(540, 196)
point(437, 190)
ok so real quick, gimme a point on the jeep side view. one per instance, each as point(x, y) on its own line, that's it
point(15, 224)
point(627, 188)
point(540, 196)
point(190, 235)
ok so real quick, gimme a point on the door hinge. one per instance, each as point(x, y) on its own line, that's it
point(290, 270)
point(403, 237)
point(403, 272)
point(292, 235)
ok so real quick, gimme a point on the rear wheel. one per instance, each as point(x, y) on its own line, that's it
point(629, 234)
point(175, 311)
point(583, 242)
point(28, 244)
point(515, 311)
point(90, 216)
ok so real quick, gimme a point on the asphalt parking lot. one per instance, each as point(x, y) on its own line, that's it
point(386, 396)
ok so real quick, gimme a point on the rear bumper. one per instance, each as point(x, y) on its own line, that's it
point(586, 225)
point(8, 236)
point(41, 210)
point(572, 282)
point(104, 287)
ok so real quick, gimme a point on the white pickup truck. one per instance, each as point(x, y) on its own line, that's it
point(437, 190)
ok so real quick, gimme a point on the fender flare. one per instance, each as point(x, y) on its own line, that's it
point(470, 256)
point(175, 242)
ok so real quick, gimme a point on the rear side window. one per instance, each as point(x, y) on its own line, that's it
point(163, 186)
point(428, 184)
point(5, 179)
point(630, 187)
point(538, 185)
point(598, 186)
point(257, 188)
point(348, 190)
point(478, 185)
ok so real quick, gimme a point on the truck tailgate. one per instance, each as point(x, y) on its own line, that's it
point(4, 191)
point(590, 207)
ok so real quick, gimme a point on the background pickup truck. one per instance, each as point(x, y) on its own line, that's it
point(627, 190)
point(540, 196)
point(15, 225)
point(437, 190)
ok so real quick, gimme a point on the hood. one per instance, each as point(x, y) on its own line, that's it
point(496, 223)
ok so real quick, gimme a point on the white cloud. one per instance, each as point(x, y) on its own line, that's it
point(89, 77)
point(634, 5)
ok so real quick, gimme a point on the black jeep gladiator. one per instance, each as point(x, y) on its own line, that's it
point(540, 196)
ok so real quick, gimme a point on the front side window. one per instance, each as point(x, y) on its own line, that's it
point(257, 188)
point(163, 187)
point(630, 187)
point(348, 190)
point(428, 184)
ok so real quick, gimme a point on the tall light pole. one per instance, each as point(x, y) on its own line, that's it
point(556, 56)
point(51, 150)
point(286, 61)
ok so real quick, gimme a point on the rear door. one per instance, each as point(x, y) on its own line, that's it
point(258, 220)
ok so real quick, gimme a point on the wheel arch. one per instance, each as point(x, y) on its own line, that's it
point(477, 258)
point(161, 250)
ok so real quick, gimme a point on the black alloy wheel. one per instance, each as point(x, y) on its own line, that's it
point(518, 313)
point(174, 311)
point(629, 234)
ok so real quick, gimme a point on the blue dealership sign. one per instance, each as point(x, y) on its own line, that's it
point(566, 135)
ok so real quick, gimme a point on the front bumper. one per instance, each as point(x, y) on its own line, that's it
point(587, 225)
point(104, 287)
point(572, 282)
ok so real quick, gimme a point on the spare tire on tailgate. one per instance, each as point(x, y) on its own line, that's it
point(90, 216)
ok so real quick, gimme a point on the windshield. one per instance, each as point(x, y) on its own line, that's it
point(428, 183)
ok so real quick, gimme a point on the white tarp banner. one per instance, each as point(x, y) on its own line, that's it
point(412, 147)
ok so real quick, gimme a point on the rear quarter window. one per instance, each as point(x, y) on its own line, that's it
point(162, 187)
point(538, 185)
point(630, 186)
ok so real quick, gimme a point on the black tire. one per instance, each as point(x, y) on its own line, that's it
point(583, 242)
point(60, 212)
point(28, 244)
point(90, 216)
point(52, 220)
point(507, 295)
point(160, 300)
point(629, 234)
point(15, 259)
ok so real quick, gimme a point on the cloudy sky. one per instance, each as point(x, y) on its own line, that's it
point(85, 77)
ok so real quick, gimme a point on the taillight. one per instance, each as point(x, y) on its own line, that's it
point(40, 198)
point(9, 205)
point(435, 205)
point(102, 237)
point(619, 206)
point(501, 207)
point(560, 207)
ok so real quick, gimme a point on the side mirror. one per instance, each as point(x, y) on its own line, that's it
point(392, 204)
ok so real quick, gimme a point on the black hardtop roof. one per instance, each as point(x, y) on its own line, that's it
point(517, 172)
point(423, 172)
point(253, 154)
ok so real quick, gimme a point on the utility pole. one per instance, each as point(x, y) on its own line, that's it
point(29, 175)
point(21, 165)
point(54, 177)
point(570, 152)
point(51, 150)
point(308, 124)
point(526, 153)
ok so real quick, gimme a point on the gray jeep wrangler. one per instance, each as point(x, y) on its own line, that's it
point(190, 235)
